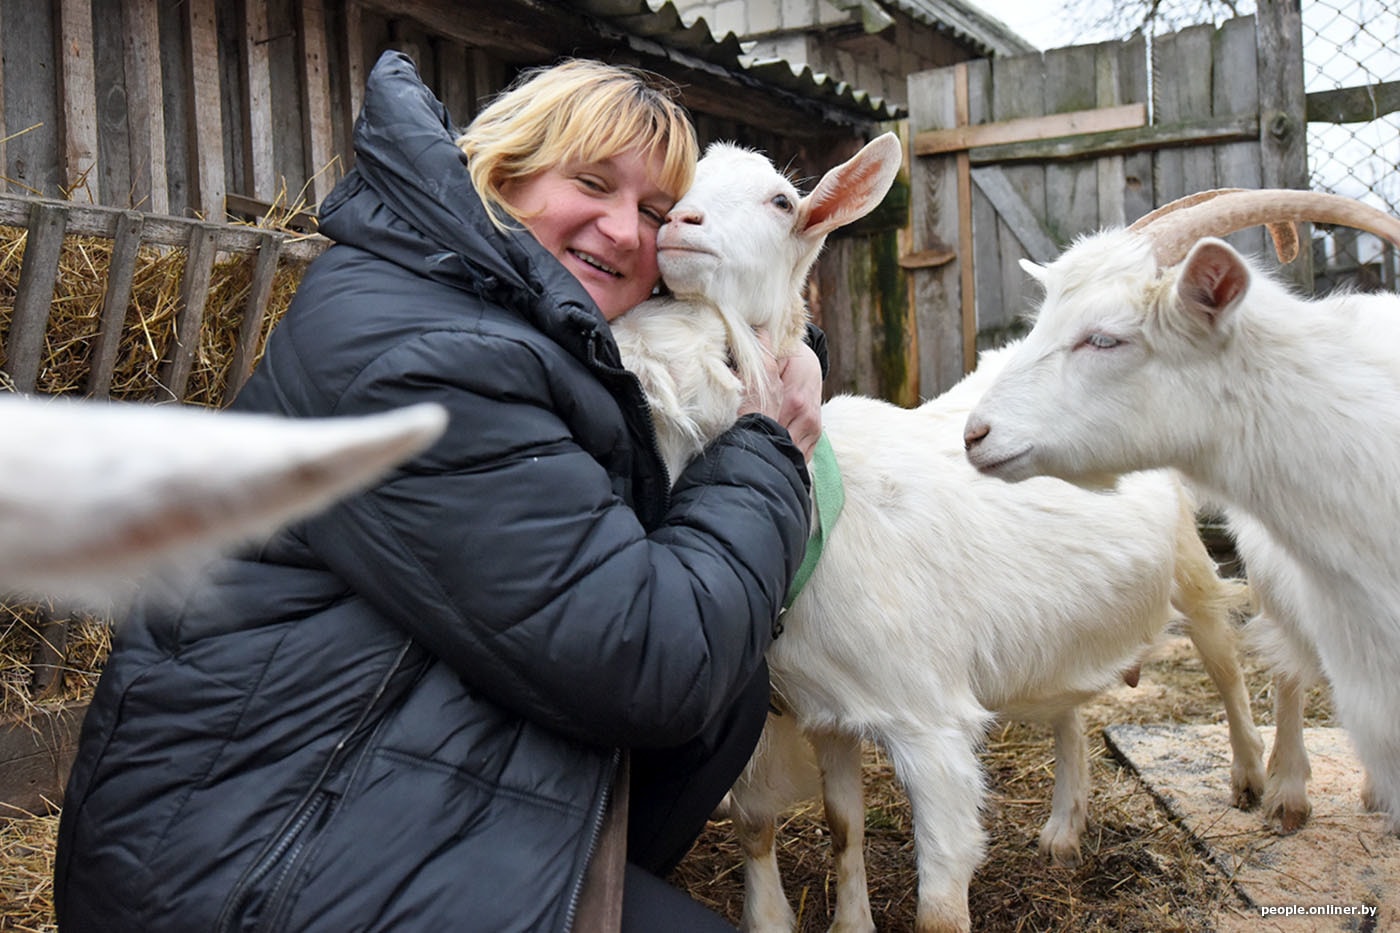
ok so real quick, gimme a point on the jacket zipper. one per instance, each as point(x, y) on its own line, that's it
point(600, 812)
point(287, 838)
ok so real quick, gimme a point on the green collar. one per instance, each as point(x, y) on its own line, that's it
point(830, 496)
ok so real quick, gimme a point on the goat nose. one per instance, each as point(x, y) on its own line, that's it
point(686, 215)
point(974, 434)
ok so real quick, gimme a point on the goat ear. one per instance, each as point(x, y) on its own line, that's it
point(1034, 269)
point(1213, 280)
point(93, 494)
point(854, 188)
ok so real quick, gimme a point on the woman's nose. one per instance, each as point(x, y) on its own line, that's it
point(623, 225)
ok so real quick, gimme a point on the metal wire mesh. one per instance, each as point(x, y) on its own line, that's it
point(1353, 44)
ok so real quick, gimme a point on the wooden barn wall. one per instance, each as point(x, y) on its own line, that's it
point(167, 106)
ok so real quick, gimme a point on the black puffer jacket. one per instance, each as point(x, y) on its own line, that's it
point(402, 714)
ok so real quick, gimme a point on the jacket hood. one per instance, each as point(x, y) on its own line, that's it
point(409, 199)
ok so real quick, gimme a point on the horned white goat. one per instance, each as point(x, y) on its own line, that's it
point(943, 598)
point(93, 493)
point(1160, 345)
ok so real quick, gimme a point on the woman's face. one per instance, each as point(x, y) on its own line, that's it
point(600, 220)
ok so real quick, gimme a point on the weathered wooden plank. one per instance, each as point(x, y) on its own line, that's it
point(150, 189)
point(1282, 135)
point(113, 180)
point(257, 76)
point(453, 83)
point(356, 71)
point(194, 293)
point(1235, 91)
point(32, 152)
point(4, 182)
point(95, 220)
point(46, 666)
point(1183, 91)
point(78, 92)
point(1203, 132)
point(202, 40)
point(24, 350)
point(1071, 188)
point(1354, 104)
point(35, 756)
point(1138, 186)
point(323, 169)
point(934, 221)
point(1108, 170)
point(1018, 93)
point(992, 313)
point(126, 243)
point(245, 354)
point(967, 281)
point(1025, 129)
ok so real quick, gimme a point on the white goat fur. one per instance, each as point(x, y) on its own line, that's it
point(92, 494)
point(944, 598)
point(1284, 409)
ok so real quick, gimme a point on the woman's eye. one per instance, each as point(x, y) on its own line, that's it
point(655, 216)
point(782, 202)
point(591, 183)
point(1101, 341)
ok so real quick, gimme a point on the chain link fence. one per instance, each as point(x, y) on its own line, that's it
point(1351, 70)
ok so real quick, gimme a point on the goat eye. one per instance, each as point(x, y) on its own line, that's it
point(1101, 341)
point(782, 202)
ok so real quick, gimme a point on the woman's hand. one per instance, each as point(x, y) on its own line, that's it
point(801, 411)
point(794, 397)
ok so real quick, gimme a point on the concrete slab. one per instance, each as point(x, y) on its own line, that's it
point(1340, 872)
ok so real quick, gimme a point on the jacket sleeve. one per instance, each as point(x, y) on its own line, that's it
point(509, 553)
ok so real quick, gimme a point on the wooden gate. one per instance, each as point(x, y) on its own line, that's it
point(1014, 158)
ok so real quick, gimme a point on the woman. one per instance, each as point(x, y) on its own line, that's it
point(405, 713)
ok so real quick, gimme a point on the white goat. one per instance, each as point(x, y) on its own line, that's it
point(1160, 345)
point(92, 493)
point(942, 598)
point(735, 253)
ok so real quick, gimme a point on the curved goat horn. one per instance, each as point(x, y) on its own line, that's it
point(1284, 233)
point(1174, 232)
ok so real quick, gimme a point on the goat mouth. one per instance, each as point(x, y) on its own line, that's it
point(1013, 466)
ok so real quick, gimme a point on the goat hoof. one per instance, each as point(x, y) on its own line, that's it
point(1288, 820)
point(1247, 798)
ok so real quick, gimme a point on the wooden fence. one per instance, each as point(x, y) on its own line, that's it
point(34, 754)
point(1013, 158)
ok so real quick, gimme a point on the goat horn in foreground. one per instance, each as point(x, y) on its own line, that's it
point(1174, 231)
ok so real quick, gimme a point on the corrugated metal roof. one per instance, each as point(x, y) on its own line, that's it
point(662, 24)
point(967, 23)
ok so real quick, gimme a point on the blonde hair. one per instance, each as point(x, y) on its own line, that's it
point(577, 111)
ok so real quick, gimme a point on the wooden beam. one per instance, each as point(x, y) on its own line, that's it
point(1014, 212)
point(1074, 123)
point(96, 220)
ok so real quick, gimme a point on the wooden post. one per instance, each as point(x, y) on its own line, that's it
point(78, 81)
point(1283, 143)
